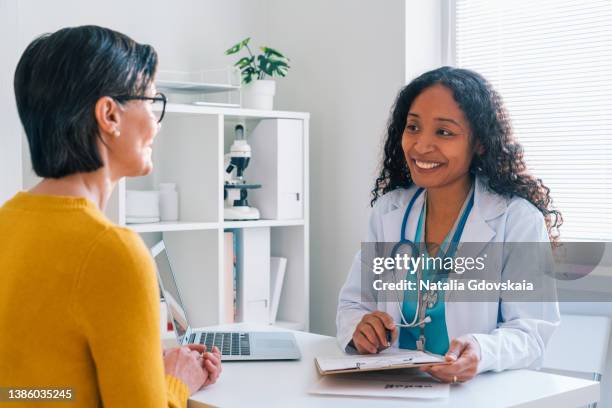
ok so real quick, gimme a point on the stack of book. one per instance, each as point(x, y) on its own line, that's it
point(253, 280)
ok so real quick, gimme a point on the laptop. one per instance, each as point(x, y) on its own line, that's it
point(233, 345)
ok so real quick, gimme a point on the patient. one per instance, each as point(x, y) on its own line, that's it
point(79, 303)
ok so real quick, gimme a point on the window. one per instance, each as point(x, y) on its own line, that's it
point(551, 61)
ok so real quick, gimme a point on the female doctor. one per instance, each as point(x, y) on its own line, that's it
point(453, 170)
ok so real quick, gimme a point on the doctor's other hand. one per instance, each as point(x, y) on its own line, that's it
point(185, 363)
point(370, 335)
point(463, 355)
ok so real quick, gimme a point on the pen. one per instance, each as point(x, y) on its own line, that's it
point(389, 333)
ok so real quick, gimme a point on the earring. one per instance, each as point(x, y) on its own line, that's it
point(116, 133)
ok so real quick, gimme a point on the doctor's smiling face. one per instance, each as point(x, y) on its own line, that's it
point(437, 141)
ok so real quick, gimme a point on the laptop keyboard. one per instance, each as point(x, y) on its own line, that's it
point(229, 343)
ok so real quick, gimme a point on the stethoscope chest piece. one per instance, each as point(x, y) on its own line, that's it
point(430, 298)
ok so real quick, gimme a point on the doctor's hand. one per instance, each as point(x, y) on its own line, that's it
point(370, 335)
point(463, 355)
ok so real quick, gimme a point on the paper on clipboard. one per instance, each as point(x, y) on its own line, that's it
point(384, 360)
point(368, 385)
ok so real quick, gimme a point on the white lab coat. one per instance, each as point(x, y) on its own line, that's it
point(510, 334)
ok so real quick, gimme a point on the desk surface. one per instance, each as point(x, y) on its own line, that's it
point(286, 384)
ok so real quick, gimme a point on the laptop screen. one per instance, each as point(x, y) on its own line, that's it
point(169, 290)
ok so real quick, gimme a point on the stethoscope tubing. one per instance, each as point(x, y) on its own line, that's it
point(405, 241)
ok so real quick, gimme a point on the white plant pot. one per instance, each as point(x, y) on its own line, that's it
point(259, 94)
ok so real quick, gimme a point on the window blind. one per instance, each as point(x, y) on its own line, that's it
point(551, 61)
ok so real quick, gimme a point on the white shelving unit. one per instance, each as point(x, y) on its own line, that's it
point(189, 151)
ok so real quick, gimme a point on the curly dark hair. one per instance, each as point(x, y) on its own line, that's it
point(501, 166)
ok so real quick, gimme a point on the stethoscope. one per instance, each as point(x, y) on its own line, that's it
point(419, 318)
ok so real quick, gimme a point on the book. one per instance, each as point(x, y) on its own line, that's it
point(253, 275)
point(229, 272)
point(235, 274)
point(278, 266)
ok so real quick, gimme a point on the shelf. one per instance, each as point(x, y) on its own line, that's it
point(194, 226)
point(180, 86)
point(262, 223)
point(238, 113)
point(173, 226)
point(189, 151)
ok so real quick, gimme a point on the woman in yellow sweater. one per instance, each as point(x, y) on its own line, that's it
point(79, 303)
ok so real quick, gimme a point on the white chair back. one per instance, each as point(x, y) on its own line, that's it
point(580, 344)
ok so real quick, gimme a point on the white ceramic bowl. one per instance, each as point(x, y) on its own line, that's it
point(142, 204)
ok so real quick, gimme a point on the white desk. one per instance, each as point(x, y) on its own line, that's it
point(286, 384)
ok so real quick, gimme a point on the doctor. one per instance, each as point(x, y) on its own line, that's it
point(453, 168)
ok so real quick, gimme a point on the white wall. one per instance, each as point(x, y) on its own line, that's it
point(347, 61)
point(424, 34)
point(188, 34)
point(10, 144)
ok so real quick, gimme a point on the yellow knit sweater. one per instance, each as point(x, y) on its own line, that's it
point(79, 307)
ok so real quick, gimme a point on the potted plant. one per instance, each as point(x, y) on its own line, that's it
point(257, 91)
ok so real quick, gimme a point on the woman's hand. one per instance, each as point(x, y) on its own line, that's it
point(212, 364)
point(185, 363)
point(463, 355)
point(370, 335)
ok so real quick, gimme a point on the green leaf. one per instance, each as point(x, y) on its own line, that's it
point(282, 71)
point(278, 67)
point(247, 74)
point(238, 46)
point(249, 71)
point(280, 64)
point(264, 64)
point(271, 51)
point(233, 50)
point(244, 62)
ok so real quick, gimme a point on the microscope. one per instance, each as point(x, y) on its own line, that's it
point(235, 189)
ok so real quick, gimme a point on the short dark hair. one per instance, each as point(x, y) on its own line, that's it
point(58, 81)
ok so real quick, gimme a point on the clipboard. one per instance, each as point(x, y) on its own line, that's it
point(385, 360)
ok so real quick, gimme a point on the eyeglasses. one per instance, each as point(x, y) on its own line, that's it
point(158, 101)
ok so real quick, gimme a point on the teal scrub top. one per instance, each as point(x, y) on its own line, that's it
point(436, 334)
